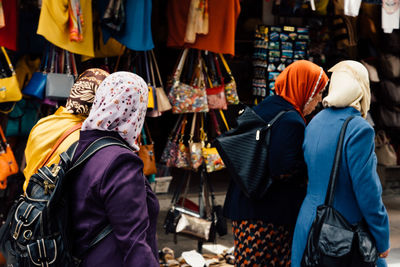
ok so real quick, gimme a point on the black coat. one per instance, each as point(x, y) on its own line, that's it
point(282, 201)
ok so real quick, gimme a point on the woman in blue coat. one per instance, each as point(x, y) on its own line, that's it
point(358, 191)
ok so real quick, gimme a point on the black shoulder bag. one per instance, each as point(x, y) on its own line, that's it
point(332, 240)
point(244, 150)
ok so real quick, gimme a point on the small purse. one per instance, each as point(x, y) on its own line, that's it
point(9, 87)
point(146, 153)
point(183, 155)
point(230, 88)
point(163, 103)
point(168, 155)
point(216, 95)
point(195, 148)
point(211, 156)
point(37, 84)
point(186, 98)
point(384, 151)
point(23, 117)
point(8, 164)
point(58, 85)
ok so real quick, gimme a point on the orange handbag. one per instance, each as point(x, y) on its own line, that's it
point(8, 164)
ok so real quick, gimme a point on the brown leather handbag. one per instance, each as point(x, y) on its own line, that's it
point(146, 152)
point(8, 164)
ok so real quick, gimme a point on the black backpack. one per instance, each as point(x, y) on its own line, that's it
point(37, 230)
point(244, 150)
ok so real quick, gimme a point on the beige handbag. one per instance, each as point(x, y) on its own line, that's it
point(384, 150)
point(163, 103)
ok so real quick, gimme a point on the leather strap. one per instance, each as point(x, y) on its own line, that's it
point(8, 59)
point(335, 168)
point(226, 65)
point(157, 69)
point(179, 68)
point(59, 141)
point(179, 128)
point(146, 128)
point(192, 128)
point(224, 119)
point(106, 231)
point(218, 69)
point(153, 80)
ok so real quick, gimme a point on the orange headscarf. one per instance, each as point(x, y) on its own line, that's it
point(300, 82)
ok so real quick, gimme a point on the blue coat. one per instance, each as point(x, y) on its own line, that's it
point(358, 191)
point(282, 201)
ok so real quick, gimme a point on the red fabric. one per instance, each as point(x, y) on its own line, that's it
point(8, 34)
point(297, 83)
point(223, 15)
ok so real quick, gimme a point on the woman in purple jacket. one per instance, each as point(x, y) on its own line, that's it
point(110, 189)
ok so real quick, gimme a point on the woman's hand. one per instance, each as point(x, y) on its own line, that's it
point(384, 254)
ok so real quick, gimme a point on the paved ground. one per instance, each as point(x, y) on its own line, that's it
point(392, 203)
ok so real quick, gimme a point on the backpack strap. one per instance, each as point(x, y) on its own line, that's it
point(271, 122)
point(97, 145)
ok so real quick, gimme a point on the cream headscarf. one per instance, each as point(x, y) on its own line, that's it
point(349, 87)
point(120, 106)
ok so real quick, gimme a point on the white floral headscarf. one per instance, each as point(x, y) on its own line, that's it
point(120, 106)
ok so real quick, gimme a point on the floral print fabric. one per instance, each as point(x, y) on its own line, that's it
point(120, 106)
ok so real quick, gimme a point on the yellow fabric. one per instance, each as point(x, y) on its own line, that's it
point(112, 48)
point(44, 135)
point(25, 68)
point(53, 25)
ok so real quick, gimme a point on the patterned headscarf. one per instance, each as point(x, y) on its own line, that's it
point(300, 82)
point(82, 92)
point(120, 106)
point(349, 87)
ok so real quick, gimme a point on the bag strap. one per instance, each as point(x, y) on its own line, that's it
point(182, 130)
point(8, 60)
point(179, 68)
point(335, 168)
point(224, 119)
point(228, 70)
point(146, 64)
point(218, 69)
point(3, 139)
point(93, 148)
point(153, 79)
point(215, 122)
point(157, 69)
point(270, 123)
point(192, 128)
point(59, 141)
point(148, 133)
point(179, 128)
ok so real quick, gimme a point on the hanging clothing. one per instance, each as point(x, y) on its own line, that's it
point(8, 33)
point(54, 26)
point(390, 15)
point(222, 16)
point(352, 7)
point(136, 32)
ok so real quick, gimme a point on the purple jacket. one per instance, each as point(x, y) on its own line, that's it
point(110, 188)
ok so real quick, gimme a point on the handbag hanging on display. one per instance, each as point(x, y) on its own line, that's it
point(384, 151)
point(183, 155)
point(163, 103)
point(23, 117)
point(146, 152)
point(186, 98)
point(212, 159)
point(188, 222)
point(195, 148)
point(9, 87)
point(216, 92)
point(8, 164)
point(230, 88)
point(37, 84)
point(169, 153)
point(332, 240)
point(58, 83)
point(151, 104)
point(155, 111)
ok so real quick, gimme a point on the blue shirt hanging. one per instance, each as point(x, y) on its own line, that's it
point(136, 31)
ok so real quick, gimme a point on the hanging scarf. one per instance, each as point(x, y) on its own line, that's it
point(120, 106)
point(75, 21)
point(300, 82)
point(82, 92)
point(349, 87)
